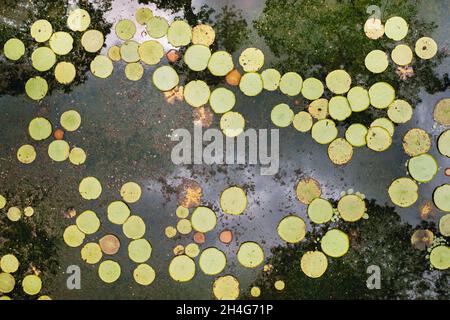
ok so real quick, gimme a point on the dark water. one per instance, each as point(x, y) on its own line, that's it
point(125, 131)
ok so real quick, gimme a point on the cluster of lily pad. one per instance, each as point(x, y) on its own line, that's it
point(59, 150)
point(395, 28)
point(436, 246)
point(118, 213)
point(52, 47)
point(212, 261)
point(15, 213)
point(31, 284)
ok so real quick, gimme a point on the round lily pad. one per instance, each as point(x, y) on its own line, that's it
point(91, 253)
point(356, 134)
point(39, 129)
point(312, 88)
point(203, 219)
point(134, 228)
point(292, 229)
point(203, 34)
point(144, 274)
point(61, 43)
point(26, 154)
point(70, 120)
point(324, 131)
point(179, 33)
point(381, 95)
point(441, 112)
point(339, 108)
point(416, 141)
point(403, 192)
point(129, 51)
point(125, 29)
point(340, 151)
point(251, 84)
point(41, 30)
point(114, 53)
point(212, 261)
point(222, 100)
point(232, 124)
point(165, 78)
point(402, 55)
point(88, 222)
point(220, 63)
point(443, 143)
point(109, 271)
point(118, 212)
point(251, 59)
point(182, 268)
point(130, 192)
point(358, 98)
point(226, 288)
point(426, 48)
point(271, 79)
point(197, 93)
point(423, 168)
point(58, 150)
point(31, 284)
point(307, 190)
point(139, 250)
point(282, 115)
point(78, 20)
point(302, 121)
point(197, 57)
point(101, 67)
point(14, 49)
point(320, 211)
point(335, 243)
point(314, 264)
point(65, 72)
point(157, 27)
point(291, 84)
point(143, 15)
point(440, 257)
point(338, 81)
point(90, 188)
point(77, 156)
point(92, 40)
point(376, 61)
point(134, 71)
point(441, 197)
point(351, 207)
point(378, 139)
point(396, 28)
point(43, 59)
point(73, 237)
point(318, 109)
point(400, 111)
point(233, 201)
point(250, 254)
